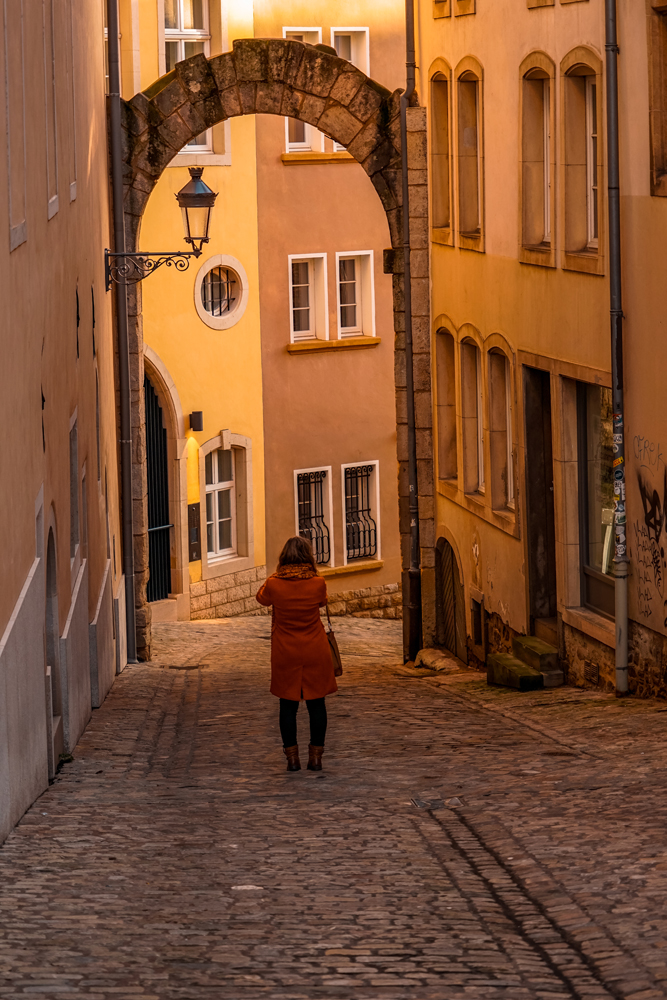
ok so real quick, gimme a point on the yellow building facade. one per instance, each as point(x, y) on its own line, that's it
point(292, 384)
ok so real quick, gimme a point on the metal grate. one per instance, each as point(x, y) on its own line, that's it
point(311, 513)
point(360, 528)
point(217, 291)
point(159, 529)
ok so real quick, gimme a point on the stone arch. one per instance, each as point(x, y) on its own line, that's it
point(311, 83)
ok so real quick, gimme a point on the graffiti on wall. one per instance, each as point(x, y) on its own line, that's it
point(650, 533)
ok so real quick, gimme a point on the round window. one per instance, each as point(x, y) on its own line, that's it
point(220, 291)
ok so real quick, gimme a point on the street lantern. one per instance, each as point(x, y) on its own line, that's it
point(196, 201)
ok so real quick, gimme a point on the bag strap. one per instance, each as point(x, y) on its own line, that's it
point(326, 608)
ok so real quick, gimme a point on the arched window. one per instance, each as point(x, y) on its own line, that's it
point(446, 405)
point(440, 152)
point(583, 166)
point(500, 430)
point(473, 418)
point(537, 159)
point(469, 155)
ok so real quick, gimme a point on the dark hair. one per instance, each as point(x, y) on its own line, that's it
point(297, 551)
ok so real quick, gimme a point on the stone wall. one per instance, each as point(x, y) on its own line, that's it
point(369, 602)
point(227, 596)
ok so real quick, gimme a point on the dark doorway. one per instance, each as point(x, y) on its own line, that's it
point(450, 605)
point(159, 528)
point(540, 503)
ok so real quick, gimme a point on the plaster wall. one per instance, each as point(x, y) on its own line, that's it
point(23, 739)
point(75, 664)
point(102, 651)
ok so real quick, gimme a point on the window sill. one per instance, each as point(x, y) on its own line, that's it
point(225, 566)
point(592, 624)
point(442, 235)
point(471, 241)
point(584, 261)
point(293, 159)
point(504, 520)
point(317, 346)
point(355, 567)
point(541, 256)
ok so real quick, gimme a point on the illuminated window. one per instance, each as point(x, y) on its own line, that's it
point(186, 33)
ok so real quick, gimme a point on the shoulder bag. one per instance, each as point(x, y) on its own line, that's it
point(333, 646)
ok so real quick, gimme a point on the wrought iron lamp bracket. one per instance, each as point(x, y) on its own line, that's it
point(134, 267)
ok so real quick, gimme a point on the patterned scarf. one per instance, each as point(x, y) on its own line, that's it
point(297, 571)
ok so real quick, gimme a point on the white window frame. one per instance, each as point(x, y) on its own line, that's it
point(546, 112)
point(319, 298)
point(313, 138)
point(592, 140)
point(366, 297)
point(182, 35)
point(218, 555)
point(479, 399)
point(361, 57)
point(327, 505)
point(375, 510)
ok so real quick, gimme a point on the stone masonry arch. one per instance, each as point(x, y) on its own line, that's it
point(311, 83)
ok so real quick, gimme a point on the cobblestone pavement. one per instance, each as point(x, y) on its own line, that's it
point(462, 842)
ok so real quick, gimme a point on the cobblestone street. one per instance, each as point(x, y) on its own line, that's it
point(461, 842)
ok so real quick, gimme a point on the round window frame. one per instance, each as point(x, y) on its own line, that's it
point(231, 318)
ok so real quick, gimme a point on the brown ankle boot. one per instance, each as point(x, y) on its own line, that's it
point(315, 757)
point(292, 754)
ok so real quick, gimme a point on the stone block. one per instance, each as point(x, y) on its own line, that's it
point(250, 59)
point(284, 60)
point(219, 583)
point(361, 614)
point(365, 103)
point(248, 97)
point(337, 608)
point(504, 670)
point(198, 589)
point(338, 123)
point(417, 151)
point(199, 603)
point(311, 109)
point(197, 616)
point(346, 86)
point(378, 613)
point(269, 98)
point(230, 609)
point(231, 102)
point(391, 588)
point(379, 159)
point(292, 100)
point(318, 72)
point(397, 599)
point(377, 591)
point(223, 70)
point(353, 607)
point(535, 653)
point(175, 132)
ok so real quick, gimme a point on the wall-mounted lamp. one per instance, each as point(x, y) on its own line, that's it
point(197, 420)
point(196, 201)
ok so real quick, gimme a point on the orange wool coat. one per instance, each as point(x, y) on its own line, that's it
point(301, 664)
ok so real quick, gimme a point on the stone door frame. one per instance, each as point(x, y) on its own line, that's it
point(312, 84)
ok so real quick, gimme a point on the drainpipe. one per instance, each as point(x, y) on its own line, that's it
point(412, 627)
point(616, 313)
point(121, 327)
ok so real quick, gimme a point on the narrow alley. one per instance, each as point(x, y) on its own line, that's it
point(461, 842)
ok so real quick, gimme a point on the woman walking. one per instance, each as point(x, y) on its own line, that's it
point(301, 663)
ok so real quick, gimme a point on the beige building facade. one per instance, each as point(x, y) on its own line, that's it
point(62, 619)
point(524, 445)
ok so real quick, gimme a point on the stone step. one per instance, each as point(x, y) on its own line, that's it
point(546, 629)
point(504, 670)
point(539, 655)
point(536, 653)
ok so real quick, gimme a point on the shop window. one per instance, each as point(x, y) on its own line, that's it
point(220, 503)
point(440, 153)
point(473, 418)
point(500, 430)
point(446, 405)
point(596, 497)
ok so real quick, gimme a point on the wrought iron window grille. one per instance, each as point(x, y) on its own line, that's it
point(217, 289)
point(360, 527)
point(311, 514)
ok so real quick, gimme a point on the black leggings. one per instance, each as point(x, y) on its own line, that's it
point(317, 711)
